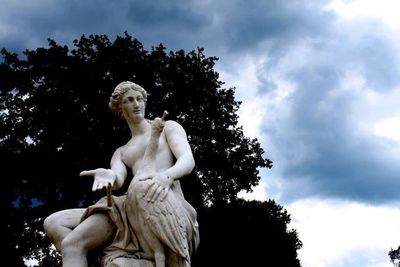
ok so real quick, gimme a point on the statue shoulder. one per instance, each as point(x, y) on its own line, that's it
point(173, 127)
point(118, 152)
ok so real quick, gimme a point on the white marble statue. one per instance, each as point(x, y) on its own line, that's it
point(151, 225)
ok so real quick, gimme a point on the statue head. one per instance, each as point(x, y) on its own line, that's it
point(119, 91)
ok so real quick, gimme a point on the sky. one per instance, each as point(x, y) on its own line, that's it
point(319, 83)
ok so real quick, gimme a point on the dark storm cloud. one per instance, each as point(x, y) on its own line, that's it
point(339, 159)
point(215, 25)
point(342, 164)
point(245, 24)
point(172, 15)
point(152, 22)
point(29, 24)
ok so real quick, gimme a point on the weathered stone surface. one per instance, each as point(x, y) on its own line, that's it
point(151, 221)
point(126, 262)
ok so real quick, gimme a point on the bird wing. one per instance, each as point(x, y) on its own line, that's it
point(168, 221)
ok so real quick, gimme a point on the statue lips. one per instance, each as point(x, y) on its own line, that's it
point(137, 111)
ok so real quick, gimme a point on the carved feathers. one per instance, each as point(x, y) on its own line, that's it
point(167, 220)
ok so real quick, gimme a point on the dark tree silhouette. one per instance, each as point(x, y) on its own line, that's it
point(55, 123)
point(247, 234)
point(394, 255)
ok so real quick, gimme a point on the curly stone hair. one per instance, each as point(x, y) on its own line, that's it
point(119, 91)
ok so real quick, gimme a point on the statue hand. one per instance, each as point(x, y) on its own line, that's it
point(102, 178)
point(158, 188)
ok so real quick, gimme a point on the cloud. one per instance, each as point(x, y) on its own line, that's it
point(322, 99)
point(244, 25)
point(217, 25)
point(339, 233)
point(29, 24)
point(384, 11)
point(389, 128)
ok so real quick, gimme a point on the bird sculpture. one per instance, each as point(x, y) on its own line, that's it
point(162, 225)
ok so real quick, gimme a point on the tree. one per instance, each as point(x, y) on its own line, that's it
point(394, 255)
point(245, 233)
point(55, 123)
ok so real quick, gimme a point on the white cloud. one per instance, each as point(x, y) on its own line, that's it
point(377, 115)
point(251, 116)
point(336, 233)
point(257, 194)
point(383, 10)
point(243, 74)
point(389, 128)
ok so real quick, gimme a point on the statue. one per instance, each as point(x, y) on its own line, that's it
point(152, 224)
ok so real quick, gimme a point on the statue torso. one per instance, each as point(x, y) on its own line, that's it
point(133, 151)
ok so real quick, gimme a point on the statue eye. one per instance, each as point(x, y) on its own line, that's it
point(128, 99)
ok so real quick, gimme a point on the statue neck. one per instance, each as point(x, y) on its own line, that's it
point(139, 128)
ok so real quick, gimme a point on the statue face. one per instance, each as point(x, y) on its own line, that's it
point(133, 105)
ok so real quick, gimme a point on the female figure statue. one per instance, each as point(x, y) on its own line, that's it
point(153, 221)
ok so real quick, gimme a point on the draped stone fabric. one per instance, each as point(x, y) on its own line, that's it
point(127, 248)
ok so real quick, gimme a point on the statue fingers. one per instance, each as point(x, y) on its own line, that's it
point(87, 173)
point(95, 186)
point(146, 177)
point(102, 185)
point(164, 194)
point(152, 191)
point(157, 193)
point(99, 185)
point(149, 191)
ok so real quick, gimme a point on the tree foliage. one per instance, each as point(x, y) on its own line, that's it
point(55, 123)
point(247, 234)
point(394, 255)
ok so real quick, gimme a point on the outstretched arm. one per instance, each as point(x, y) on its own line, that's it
point(115, 175)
